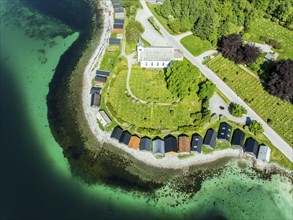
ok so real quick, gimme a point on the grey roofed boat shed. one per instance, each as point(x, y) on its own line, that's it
point(224, 132)
point(118, 26)
point(210, 138)
point(119, 21)
point(104, 73)
point(158, 146)
point(196, 143)
point(251, 146)
point(95, 100)
point(118, 9)
point(238, 139)
point(171, 144)
point(116, 133)
point(145, 144)
point(100, 79)
point(115, 41)
point(95, 90)
point(125, 137)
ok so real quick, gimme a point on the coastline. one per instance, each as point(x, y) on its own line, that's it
point(169, 161)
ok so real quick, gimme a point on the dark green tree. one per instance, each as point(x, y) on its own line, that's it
point(255, 127)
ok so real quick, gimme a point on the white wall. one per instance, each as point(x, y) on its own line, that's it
point(155, 64)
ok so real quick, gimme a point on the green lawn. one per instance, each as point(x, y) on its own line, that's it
point(195, 45)
point(252, 92)
point(145, 84)
point(109, 60)
point(265, 27)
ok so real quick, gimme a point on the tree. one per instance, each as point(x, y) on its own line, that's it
point(237, 110)
point(182, 78)
point(255, 127)
point(281, 80)
point(230, 45)
point(232, 48)
point(206, 90)
point(174, 25)
point(133, 30)
point(166, 9)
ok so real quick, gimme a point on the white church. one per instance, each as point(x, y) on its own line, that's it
point(157, 57)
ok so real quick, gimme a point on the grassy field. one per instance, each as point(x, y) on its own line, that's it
point(265, 27)
point(252, 92)
point(195, 45)
point(109, 60)
point(145, 84)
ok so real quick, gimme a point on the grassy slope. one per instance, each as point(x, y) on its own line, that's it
point(265, 27)
point(195, 45)
point(266, 105)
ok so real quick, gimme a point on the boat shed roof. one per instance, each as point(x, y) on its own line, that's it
point(95, 90)
point(238, 138)
point(196, 143)
point(171, 144)
point(264, 153)
point(251, 146)
point(100, 79)
point(119, 21)
point(116, 133)
point(184, 144)
point(134, 142)
point(158, 146)
point(145, 144)
point(104, 73)
point(118, 26)
point(125, 137)
point(224, 132)
point(95, 100)
point(210, 138)
point(115, 41)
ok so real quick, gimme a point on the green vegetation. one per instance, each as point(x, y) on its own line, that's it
point(195, 45)
point(237, 110)
point(250, 89)
point(131, 7)
point(155, 25)
point(182, 79)
point(185, 156)
point(206, 90)
point(145, 84)
point(264, 27)
point(256, 127)
point(109, 60)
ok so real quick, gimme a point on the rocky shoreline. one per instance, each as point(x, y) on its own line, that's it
point(168, 162)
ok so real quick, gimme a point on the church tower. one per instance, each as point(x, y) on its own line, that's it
point(140, 49)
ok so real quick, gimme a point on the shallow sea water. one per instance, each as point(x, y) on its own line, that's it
point(36, 181)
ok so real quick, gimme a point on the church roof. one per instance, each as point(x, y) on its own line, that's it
point(158, 54)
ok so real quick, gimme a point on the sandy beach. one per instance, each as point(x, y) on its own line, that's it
point(103, 137)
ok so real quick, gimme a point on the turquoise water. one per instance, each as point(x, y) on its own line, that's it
point(37, 181)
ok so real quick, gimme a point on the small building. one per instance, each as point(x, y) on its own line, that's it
point(118, 8)
point(224, 132)
point(145, 144)
point(134, 142)
point(103, 73)
point(251, 146)
point(103, 118)
point(184, 144)
point(238, 139)
point(119, 15)
point(196, 143)
point(96, 90)
point(95, 100)
point(100, 80)
point(114, 41)
point(119, 21)
point(210, 139)
point(157, 57)
point(125, 137)
point(116, 133)
point(118, 26)
point(271, 56)
point(158, 146)
point(171, 146)
point(264, 153)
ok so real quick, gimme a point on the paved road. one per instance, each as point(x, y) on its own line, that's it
point(276, 140)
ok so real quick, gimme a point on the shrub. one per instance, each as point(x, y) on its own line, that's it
point(255, 127)
point(237, 110)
